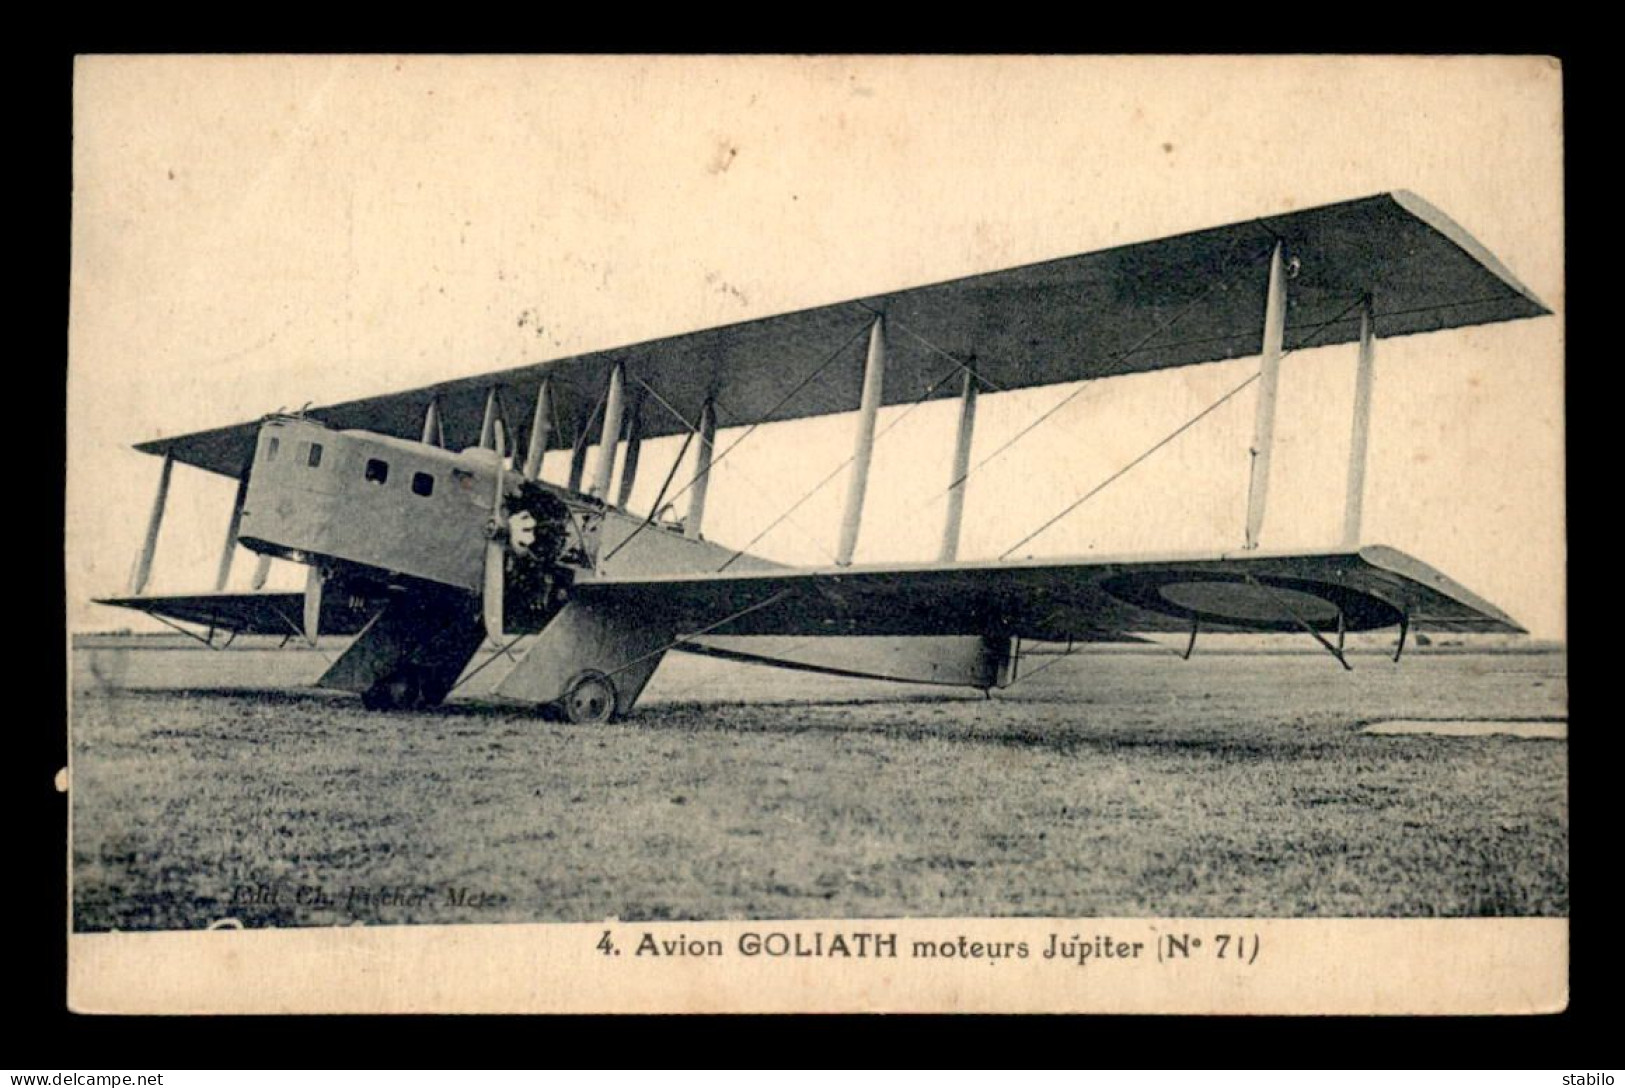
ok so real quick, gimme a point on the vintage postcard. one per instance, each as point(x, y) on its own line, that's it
point(895, 534)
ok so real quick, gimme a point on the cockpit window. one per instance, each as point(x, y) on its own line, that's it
point(271, 447)
point(314, 458)
point(377, 471)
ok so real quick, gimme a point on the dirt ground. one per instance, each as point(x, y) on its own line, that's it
point(1109, 784)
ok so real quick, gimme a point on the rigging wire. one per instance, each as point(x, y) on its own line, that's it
point(680, 639)
point(654, 511)
point(1308, 342)
point(1056, 659)
point(848, 342)
point(921, 399)
point(1114, 477)
point(944, 352)
point(1223, 282)
point(472, 673)
point(579, 440)
point(671, 474)
point(693, 430)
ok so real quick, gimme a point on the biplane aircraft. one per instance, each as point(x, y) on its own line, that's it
point(427, 530)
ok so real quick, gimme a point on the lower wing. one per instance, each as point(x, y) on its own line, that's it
point(1071, 598)
point(1048, 599)
point(262, 613)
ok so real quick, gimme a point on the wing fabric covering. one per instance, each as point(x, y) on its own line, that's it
point(1086, 600)
point(1059, 599)
point(1193, 298)
point(262, 613)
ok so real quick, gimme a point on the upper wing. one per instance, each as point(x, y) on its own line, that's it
point(1192, 298)
point(1057, 599)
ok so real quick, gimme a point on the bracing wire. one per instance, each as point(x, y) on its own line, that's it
point(1308, 342)
point(1114, 477)
point(724, 621)
point(500, 651)
point(987, 382)
point(692, 430)
point(654, 511)
point(1221, 282)
point(838, 469)
point(715, 461)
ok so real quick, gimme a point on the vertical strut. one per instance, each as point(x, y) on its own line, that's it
point(1269, 371)
point(231, 534)
point(262, 571)
point(143, 563)
point(960, 470)
point(578, 459)
point(541, 427)
point(634, 448)
point(702, 470)
point(863, 445)
point(578, 448)
point(488, 425)
point(609, 436)
point(1359, 435)
point(432, 433)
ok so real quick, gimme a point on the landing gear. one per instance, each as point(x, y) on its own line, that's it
point(590, 699)
point(399, 691)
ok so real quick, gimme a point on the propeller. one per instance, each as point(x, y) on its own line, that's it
point(491, 599)
point(313, 603)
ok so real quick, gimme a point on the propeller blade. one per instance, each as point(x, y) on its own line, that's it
point(491, 598)
point(313, 603)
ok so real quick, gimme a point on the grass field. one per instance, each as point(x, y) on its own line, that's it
point(1108, 784)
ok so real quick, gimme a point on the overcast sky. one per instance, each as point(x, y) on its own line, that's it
point(259, 234)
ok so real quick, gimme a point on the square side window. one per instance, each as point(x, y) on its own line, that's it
point(271, 448)
point(377, 471)
point(314, 458)
point(422, 484)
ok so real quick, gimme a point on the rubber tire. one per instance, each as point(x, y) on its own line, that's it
point(590, 699)
point(398, 691)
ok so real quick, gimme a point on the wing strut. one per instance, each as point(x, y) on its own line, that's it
point(874, 372)
point(1360, 431)
point(541, 425)
point(488, 424)
point(578, 447)
point(433, 433)
point(702, 470)
point(634, 449)
point(143, 563)
point(1269, 372)
point(609, 436)
point(960, 469)
point(232, 526)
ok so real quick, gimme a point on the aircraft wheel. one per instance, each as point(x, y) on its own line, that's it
point(399, 691)
point(590, 699)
